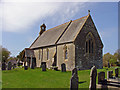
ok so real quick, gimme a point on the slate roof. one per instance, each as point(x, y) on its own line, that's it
point(72, 30)
point(61, 34)
point(29, 52)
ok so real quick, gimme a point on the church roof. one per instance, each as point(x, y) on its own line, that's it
point(28, 52)
point(64, 33)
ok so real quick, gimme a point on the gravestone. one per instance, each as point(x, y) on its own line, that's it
point(9, 66)
point(32, 63)
point(109, 74)
point(108, 65)
point(43, 66)
point(75, 71)
point(93, 75)
point(26, 66)
point(3, 66)
point(101, 78)
point(63, 67)
point(116, 72)
point(74, 82)
point(13, 66)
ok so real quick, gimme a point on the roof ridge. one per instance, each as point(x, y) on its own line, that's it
point(65, 23)
point(79, 18)
point(55, 27)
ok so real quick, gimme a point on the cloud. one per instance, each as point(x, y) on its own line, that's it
point(19, 17)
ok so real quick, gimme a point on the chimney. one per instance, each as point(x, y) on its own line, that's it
point(42, 28)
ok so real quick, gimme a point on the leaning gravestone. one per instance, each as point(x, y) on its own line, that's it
point(9, 66)
point(63, 67)
point(3, 66)
point(93, 75)
point(101, 78)
point(43, 66)
point(74, 80)
point(75, 71)
point(109, 74)
point(116, 72)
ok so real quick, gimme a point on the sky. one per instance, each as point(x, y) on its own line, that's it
point(20, 21)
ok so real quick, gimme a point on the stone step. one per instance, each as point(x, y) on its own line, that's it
point(113, 84)
point(107, 87)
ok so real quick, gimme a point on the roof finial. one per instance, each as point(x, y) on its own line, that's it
point(88, 11)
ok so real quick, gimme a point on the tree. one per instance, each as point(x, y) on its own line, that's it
point(108, 58)
point(5, 54)
point(12, 58)
point(20, 56)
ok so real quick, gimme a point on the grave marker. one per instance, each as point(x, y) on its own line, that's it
point(93, 75)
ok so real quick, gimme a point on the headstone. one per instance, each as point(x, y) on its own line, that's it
point(116, 72)
point(108, 65)
point(109, 74)
point(3, 66)
point(9, 66)
point(74, 82)
point(75, 71)
point(26, 66)
point(32, 63)
point(63, 67)
point(101, 78)
point(93, 75)
point(43, 66)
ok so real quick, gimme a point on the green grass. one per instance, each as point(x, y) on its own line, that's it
point(35, 78)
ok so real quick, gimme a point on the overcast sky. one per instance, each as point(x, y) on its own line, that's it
point(20, 21)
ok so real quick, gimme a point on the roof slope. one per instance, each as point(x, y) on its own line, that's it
point(29, 53)
point(60, 34)
point(72, 30)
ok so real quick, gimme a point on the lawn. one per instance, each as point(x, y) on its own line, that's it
point(35, 78)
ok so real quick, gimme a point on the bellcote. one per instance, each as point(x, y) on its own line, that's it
point(42, 28)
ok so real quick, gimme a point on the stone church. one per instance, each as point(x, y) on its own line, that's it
point(75, 43)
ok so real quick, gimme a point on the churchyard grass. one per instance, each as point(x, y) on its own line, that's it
point(36, 78)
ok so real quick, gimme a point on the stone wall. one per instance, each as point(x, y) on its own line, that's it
point(43, 56)
point(87, 60)
point(70, 62)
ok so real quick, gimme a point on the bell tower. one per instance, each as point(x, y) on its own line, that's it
point(42, 28)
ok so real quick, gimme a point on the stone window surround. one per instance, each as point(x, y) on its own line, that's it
point(39, 54)
point(65, 50)
point(47, 53)
point(90, 39)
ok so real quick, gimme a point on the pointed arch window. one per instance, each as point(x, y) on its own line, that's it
point(39, 54)
point(90, 43)
point(47, 54)
point(65, 52)
point(86, 46)
point(92, 47)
